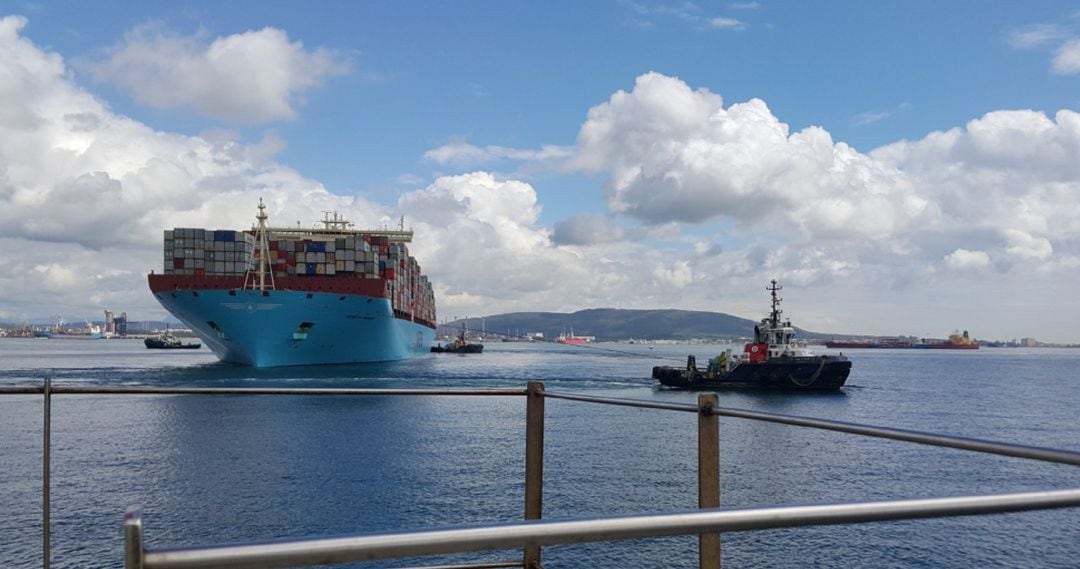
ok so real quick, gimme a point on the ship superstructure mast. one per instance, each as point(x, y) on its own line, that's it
point(774, 331)
point(335, 224)
point(264, 252)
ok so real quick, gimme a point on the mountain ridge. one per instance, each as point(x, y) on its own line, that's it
point(608, 324)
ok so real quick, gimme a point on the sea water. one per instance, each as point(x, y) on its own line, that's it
point(226, 469)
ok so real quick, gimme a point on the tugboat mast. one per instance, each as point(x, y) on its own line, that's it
point(774, 316)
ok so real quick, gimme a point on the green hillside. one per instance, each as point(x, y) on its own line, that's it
point(617, 324)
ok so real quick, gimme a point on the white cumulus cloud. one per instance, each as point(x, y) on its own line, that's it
point(250, 77)
point(962, 259)
point(677, 276)
point(675, 154)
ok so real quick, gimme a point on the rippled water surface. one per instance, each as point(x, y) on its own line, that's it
point(219, 469)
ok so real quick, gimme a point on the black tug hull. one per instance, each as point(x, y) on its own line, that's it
point(159, 344)
point(818, 373)
point(458, 349)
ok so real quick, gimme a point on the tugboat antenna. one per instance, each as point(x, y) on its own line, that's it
point(775, 316)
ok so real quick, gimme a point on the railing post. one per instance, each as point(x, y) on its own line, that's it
point(46, 478)
point(534, 464)
point(708, 475)
point(133, 539)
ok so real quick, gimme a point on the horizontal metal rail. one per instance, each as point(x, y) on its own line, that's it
point(496, 565)
point(518, 534)
point(135, 390)
point(622, 401)
point(979, 445)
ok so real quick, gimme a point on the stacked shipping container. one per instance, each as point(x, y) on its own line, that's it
point(202, 252)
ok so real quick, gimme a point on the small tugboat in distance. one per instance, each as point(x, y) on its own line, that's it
point(459, 346)
point(772, 361)
point(167, 341)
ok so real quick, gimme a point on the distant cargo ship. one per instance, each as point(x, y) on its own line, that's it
point(956, 341)
point(90, 332)
point(280, 296)
point(572, 339)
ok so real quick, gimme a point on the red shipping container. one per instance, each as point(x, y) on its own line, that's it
point(178, 263)
point(390, 274)
point(200, 272)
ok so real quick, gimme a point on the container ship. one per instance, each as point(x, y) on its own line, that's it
point(282, 296)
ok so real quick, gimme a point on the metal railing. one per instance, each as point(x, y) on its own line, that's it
point(534, 533)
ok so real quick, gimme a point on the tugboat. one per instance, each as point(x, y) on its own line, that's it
point(167, 341)
point(772, 361)
point(459, 346)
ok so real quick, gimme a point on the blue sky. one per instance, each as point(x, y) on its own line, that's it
point(373, 107)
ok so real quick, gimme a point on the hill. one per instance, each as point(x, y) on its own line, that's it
point(619, 324)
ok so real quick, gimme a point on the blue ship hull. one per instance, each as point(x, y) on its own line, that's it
point(289, 328)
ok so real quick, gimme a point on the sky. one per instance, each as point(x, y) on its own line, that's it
point(900, 167)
